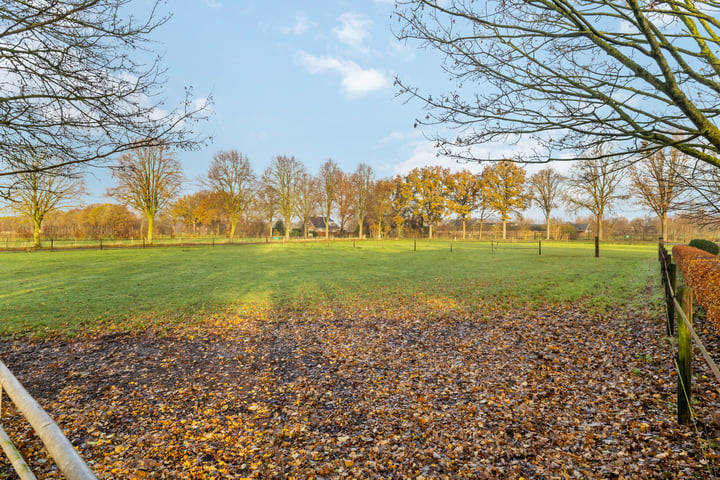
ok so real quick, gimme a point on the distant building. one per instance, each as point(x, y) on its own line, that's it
point(317, 225)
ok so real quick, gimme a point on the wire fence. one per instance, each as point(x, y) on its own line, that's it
point(679, 307)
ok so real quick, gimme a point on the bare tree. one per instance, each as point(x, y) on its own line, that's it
point(266, 204)
point(283, 176)
point(363, 180)
point(345, 196)
point(504, 188)
point(329, 178)
point(37, 192)
point(703, 204)
point(573, 75)
point(77, 83)
point(231, 177)
point(148, 179)
point(658, 180)
point(381, 205)
point(593, 186)
point(544, 187)
point(308, 187)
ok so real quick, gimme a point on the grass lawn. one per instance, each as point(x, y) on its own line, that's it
point(71, 291)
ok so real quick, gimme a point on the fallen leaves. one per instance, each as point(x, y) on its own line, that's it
point(526, 393)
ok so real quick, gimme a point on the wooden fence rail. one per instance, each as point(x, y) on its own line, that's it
point(61, 450)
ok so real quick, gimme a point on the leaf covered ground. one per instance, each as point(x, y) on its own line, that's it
point(533, 392)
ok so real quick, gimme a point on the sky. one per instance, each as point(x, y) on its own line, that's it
point(313, 80)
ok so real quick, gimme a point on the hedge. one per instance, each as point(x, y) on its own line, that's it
point(701, 271)
point(707, 245)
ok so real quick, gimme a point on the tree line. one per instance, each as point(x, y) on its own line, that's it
point(149, 182)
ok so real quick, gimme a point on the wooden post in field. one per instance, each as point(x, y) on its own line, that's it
point(684, 358)
point(415, 245)
point(450, 246)
point(52, 246)
point(670, 287)
point(597, 247)
point(539, 247)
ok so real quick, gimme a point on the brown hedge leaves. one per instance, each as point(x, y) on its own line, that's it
point(701, 271)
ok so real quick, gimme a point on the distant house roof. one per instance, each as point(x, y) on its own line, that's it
point(581, 227)
point(318, 224)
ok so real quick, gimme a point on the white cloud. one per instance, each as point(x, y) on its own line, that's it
point(354, 29)
point(355, 79)
point(423, 153)
point(302, 24)
point(392, 137)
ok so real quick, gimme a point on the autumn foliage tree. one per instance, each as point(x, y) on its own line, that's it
point(426, 191)
point(466, 195)
point(504, 184)
point(196, 209)
point(148, 179)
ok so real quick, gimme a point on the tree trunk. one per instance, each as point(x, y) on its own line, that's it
point(37, 222)
point(287, 228)
point(360, 227)
point(504, 229)
point(233, 224)
point(663, 226)
point(150, 228)
point(463, 228)
point(481, 230)
point(547, 226)
point(599, 227)
point(430, 231)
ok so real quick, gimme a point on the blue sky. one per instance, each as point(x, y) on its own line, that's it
point(309, 79)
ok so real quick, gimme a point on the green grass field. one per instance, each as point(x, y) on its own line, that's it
point(91, 290)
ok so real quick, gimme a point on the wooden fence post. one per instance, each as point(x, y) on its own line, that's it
point(450, 246)
point(597, 247)
point(670, 289)
point(539, 247)
point(684, 358)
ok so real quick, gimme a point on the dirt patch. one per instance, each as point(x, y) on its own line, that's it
point(535, 393)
